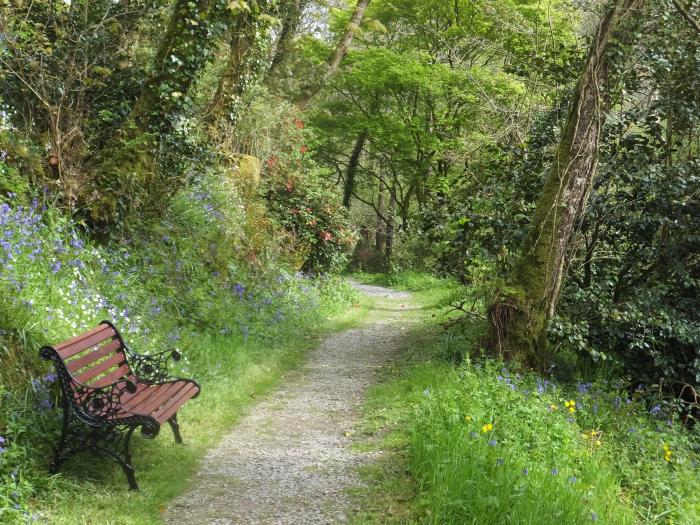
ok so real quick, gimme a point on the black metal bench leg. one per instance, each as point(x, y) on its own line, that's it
point(59, 457)
point(126, 465)
point(175, 428)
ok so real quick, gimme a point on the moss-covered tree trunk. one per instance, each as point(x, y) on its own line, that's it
point(233, 80)
point(291, 20)
point(129, 176)
point(519, 313)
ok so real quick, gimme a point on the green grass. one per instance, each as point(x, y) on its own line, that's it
point(90, 490)
point(539, 463)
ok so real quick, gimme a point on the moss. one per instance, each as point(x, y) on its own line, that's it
point(245, 174)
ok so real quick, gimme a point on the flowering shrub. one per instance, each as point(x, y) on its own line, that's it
point(303, 201)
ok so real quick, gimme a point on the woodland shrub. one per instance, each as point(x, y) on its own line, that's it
point(305, 204)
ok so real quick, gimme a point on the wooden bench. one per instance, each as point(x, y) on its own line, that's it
point(108, 391)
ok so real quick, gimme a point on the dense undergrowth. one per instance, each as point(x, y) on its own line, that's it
point(479, 442)
point(190, 281)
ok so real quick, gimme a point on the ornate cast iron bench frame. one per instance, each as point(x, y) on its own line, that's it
point(108, 391)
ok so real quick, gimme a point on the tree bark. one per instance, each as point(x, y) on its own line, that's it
point(519, 313)
point(290, 27)
point(352, 168)
point(380, 237)
point(338, 54)
point(231, 85)
point(390, 228)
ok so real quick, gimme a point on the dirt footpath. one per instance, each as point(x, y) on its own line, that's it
point(289, 460)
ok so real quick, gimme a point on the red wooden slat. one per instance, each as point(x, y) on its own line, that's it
point(162, 394)
point(79, 337)
point(174, 404)
point(78, 346)
point(100, 368)
point(112, 377)
point(91, 357)
point(128, 397)
point(140, 397)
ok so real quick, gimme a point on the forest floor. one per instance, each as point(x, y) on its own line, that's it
point(291, 459)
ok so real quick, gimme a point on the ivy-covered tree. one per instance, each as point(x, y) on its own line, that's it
point(520, 312)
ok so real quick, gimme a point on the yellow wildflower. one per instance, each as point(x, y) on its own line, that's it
point(467, 418)
point(571, 405)
point(552, 407)
point(488, 427)
point(667, 452)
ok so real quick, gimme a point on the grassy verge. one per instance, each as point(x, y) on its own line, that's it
point(480, 443)
point(232, 373)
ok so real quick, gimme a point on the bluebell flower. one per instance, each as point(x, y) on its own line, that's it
point(583, 388)
point(555, 471)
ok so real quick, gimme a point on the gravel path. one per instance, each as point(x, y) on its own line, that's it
point(289, 461)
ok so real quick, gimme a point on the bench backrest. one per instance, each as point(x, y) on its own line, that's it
point(95, 358)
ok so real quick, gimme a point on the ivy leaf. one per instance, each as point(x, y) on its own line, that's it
point(375, 26)
point(238, 5)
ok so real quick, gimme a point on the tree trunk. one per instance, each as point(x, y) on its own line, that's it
point(290, 26)
point(352, 168)
point(231, 85)
point(128, 176)
point(519, 313)
point(389, 251)
point(380, 237)
point(340, 51)
point(177, 64)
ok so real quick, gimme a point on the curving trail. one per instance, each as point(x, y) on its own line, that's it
point(289, 460)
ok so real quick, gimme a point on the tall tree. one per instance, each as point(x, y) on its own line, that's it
point(338, 54)
point(519, 313)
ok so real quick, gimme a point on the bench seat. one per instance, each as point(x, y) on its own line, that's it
point(108, 391)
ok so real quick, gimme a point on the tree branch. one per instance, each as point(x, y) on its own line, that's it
point(685, 14)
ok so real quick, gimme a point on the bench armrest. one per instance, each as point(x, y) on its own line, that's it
point(154, 368)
